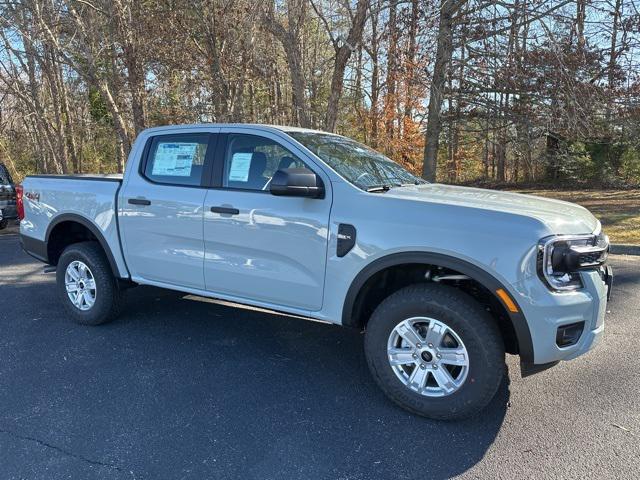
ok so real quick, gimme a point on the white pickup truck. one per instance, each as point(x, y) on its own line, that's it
point(443, 280)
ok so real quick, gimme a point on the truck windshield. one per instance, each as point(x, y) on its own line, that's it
point(359, 164)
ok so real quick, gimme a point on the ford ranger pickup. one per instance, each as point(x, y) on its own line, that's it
point(442, 280)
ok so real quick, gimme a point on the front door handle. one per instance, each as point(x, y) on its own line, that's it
point(139, 201)
point(225, 210)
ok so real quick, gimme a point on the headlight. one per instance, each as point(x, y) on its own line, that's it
point(562, 257)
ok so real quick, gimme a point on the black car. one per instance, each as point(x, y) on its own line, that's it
point(7, 197)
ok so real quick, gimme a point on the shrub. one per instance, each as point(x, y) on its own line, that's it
point(630, 166)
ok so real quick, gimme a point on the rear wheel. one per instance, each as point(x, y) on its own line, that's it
point(434, 351)
point(86, 285)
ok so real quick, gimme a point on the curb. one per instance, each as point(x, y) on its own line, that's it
point(622, 249)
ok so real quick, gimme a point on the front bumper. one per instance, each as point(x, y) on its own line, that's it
point(546, 311)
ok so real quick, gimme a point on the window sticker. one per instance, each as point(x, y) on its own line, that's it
point(240, 165)
point(174, 159)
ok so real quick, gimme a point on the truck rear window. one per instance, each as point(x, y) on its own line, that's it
point(177, 159)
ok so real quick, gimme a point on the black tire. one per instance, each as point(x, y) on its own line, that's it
point(108, 297)
point(475, 327)
point(3, 223)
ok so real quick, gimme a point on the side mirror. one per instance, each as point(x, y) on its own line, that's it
point(296, 182)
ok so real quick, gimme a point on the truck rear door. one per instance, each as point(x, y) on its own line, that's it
point(161, 209)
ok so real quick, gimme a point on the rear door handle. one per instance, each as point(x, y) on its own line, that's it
point(225, 210)
point(139, 201)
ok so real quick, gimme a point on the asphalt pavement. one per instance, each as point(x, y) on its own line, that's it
point(180, 387)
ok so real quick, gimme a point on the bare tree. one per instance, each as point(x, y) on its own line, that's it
point(444, 51)
point(290, 37)
point(344, 47)
point(511, 90)
point(127, 21)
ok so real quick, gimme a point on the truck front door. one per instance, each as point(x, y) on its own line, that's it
point(260, 247)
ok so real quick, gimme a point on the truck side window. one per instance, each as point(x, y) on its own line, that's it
point(251, 161)
point(177, 159)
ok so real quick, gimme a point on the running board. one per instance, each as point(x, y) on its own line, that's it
point(243, 306)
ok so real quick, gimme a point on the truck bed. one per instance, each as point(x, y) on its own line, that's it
point(50, 201)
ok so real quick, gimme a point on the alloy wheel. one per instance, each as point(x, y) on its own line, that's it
point(80, 285)
point(428, 356)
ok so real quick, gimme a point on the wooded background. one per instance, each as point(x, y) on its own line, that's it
point(527, 91)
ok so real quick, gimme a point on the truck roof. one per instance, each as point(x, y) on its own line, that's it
point(257, 126)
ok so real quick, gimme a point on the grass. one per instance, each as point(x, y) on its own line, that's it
point(618, 210)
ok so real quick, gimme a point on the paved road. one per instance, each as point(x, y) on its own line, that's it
point(183, 388)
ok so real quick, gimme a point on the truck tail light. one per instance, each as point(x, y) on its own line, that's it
point(19, 202)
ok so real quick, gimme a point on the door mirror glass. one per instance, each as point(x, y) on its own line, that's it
point(296, 182)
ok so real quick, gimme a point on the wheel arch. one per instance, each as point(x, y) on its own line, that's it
point(351, 316)
point(67, 222)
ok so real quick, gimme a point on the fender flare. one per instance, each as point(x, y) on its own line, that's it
point(518, 320)
point(73, 217)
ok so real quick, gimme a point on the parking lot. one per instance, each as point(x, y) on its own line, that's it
point(180, 387)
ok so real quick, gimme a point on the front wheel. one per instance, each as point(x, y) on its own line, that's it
point(434, 351)
point(86, 285)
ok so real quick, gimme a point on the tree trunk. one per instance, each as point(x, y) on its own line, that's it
point(485, 155)
point(69, 122)
point(219, 84)
point(298, 82)
point(457, 115)
point(392, 72)
point(613, 57)
point(409, 102)
point(343, 53)
point(444, 50)
point(126, 29)
point(581, 7)
point(57, 157)
point(375, 78)
point(124, 142)
point(291, 43)
point(501, 139)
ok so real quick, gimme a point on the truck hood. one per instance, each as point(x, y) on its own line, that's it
point(560, 217)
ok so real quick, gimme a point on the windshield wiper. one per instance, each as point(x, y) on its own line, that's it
point(378, 188)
